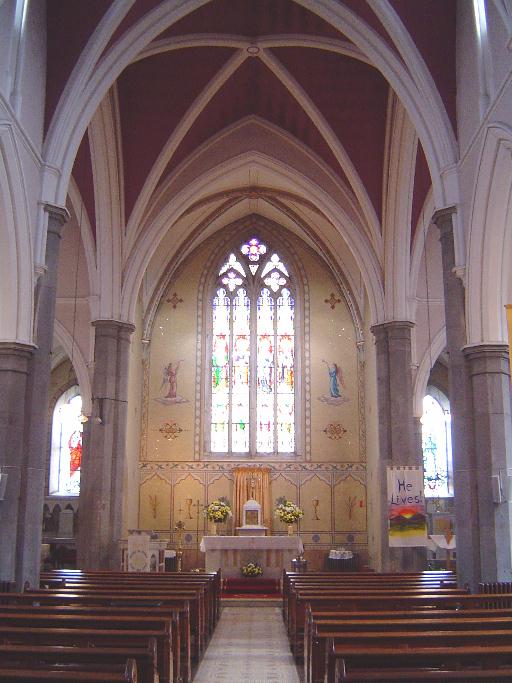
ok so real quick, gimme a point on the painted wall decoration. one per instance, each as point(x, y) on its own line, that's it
point(171, 430)
point(335, 431)
point(169, 386)
point(406, 507)
point(174, 300)
point(336, 383)
point(332, 301)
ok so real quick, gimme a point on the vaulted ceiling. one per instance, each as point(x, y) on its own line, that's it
point(230, 60)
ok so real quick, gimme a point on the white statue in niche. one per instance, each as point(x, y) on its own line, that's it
point(170, 384)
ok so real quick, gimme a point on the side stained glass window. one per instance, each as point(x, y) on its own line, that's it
point(253, 354)
point(66, 450)
point(436, 442)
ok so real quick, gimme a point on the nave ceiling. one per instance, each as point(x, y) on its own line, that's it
point(317, 116)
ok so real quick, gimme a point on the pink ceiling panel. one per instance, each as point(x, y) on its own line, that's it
point(422, 183)
point(254, 90)
point(69, 25)
point(432, 25)
point(154, 94)
point(352, 97)
point(253, 18)
point(82, 174)
point(364, 11)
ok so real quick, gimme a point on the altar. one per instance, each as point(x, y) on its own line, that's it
point(230, 553)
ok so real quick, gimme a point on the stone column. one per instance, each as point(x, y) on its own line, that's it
point(397, 439)
point(460, 394)
point(34, 461)
point(14, 366)
point(489, 372)
point(104, 461)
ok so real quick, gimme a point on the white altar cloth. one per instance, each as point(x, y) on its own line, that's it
point(230, 553)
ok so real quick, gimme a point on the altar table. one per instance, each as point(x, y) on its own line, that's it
point(230, 553)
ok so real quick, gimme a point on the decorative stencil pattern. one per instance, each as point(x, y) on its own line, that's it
point(174, 300)
point(171, 430)
point(335, 431)
point(332, 300)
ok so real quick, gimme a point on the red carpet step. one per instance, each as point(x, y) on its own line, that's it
point(251, 585)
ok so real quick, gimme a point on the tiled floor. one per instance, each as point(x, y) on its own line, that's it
point(249, 646)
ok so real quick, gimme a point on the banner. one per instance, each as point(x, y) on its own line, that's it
point(406, 507)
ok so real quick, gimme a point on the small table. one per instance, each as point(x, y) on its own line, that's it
point(343, 565)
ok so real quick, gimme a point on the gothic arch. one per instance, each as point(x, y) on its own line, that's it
point(490, 243)
point(16, 246)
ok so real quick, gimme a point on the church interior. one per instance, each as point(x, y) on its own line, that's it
point(255, 250)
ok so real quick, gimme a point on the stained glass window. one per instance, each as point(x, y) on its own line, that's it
point(437, 448)
point(66, 452)
point(253, 354)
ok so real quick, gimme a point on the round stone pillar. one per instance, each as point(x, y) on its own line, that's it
point(14, 367)
point(460, 393)
point(397, 438)
point(489, 371)
point(104, 461)
point(28, 553)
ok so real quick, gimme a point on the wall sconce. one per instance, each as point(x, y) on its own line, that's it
point(3, 485)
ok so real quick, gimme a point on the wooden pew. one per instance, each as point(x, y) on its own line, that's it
point(442, 579)
point(175, 618)
point(320, 629)
point(388, 632)
point(124, 598)
point(108, 673)
point(211, 580)
point(115, 584)
point(347, 663)
point(128, 640)
point(29, 655)
point(350, 599)
point(167, 647)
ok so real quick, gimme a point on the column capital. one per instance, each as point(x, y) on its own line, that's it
point(392, 327)
point(58, 217)
point(443, 218)
point(107, 327)
point(14, 356)
point(487, 358)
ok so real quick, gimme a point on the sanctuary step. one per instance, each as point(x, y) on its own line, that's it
point(251, 585)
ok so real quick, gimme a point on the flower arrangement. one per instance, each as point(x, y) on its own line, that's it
point(287, 511)
point(218, 510)
point(252, 569)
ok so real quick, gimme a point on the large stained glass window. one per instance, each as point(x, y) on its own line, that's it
point(437, 447)
point(253, 354)
point(66, 452)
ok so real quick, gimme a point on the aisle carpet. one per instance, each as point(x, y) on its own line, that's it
point(249, 646)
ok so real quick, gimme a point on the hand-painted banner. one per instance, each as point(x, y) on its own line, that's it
point(406, 507)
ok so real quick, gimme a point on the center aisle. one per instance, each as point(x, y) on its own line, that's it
point(249, 646)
